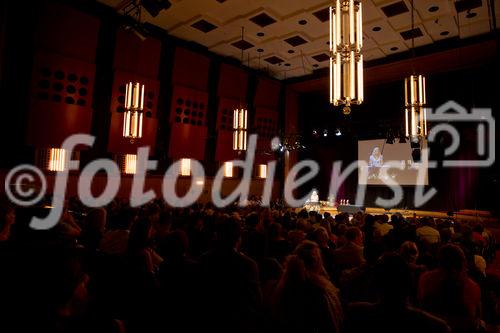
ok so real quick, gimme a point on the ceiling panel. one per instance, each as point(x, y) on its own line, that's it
point(430, 9)
point(437, 20)
point(394, 47)
point(441, 27)
point(373, 54)
point(381, 32)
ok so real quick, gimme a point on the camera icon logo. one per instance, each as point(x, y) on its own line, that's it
point(453, 112)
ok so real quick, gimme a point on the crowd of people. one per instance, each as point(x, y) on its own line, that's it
point(243, 269)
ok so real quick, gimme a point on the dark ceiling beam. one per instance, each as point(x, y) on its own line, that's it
point(445, 61)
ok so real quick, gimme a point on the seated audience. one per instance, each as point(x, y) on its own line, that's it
point(427, 233)
point(155, 268)
point(115, 239)
point(350, 255)
point(231, 296)
point(392, 313)
point(382, 226)
point(305, 299)
point(449, 293)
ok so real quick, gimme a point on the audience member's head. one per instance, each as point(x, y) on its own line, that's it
point(96, 220)
point(304, 225)
point(252, 220)
point(124, 219)
point(295, 237)
point(369, 220)
point(409, 252)
point(140, 235)
point(228, 233)
point(320, 236)
point(304, 263)
point(275, 231)
point(451, 259)
point(427, 221)
point(174, 245)
point(341, 230)
point(397, 220)
point(392, 278)
point(326, 223)
point(303, 214)
point(354, 235)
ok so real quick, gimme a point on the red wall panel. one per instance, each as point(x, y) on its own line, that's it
point(61, 99)
point(291, 123)
point(266, 126)
point(232, 83)
point(188, 133)
point(291, 111)
point(266, 117)
point(135, 60)
point(63, 120)
point(225, 114)
point(141, 57)
point(66, 31)
point(224, 149)
point(117, 143)
point(267, 94)
point(187, 141)
point(63, 75)
point(189, 106)
point(190, 69)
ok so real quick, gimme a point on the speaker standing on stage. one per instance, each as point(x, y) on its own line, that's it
point(376, 160)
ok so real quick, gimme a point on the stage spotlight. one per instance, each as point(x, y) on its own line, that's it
point(315, 133)
point(325, 133)
point(154, 7)
point(130, 24)
point(338, 132)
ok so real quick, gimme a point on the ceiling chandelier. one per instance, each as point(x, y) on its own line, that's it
point(415, 98)
point(346, 60)
point(240, 118)
point(134, 106)
point(240, 129)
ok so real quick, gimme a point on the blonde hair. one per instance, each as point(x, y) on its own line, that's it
point(306, 266)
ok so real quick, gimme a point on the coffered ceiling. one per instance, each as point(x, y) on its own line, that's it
point(289, 38)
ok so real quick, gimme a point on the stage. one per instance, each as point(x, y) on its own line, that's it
point(459, 216)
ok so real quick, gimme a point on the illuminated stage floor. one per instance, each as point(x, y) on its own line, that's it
point(462, 215)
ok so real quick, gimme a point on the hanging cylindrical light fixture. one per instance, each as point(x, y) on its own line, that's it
point(240, 129)
point(415, 101)
point(346, 60)
point(134, 106)
point(415, 97)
